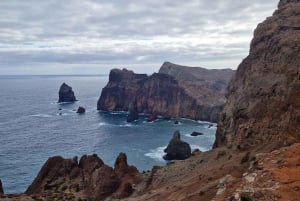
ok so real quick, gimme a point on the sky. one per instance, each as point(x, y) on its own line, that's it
point(93, 36)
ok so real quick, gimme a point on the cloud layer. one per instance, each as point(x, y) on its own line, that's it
point(144, 33)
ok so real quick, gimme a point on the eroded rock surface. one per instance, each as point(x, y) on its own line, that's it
point(263, 104)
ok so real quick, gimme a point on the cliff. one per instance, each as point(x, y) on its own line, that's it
point(261, 114)
point(166, 94)
point(263, 105)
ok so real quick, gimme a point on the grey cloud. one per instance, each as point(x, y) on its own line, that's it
point(76, 31)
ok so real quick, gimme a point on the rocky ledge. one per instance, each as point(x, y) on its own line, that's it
point(197, 94)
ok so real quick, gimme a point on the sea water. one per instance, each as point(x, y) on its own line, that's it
point(34, 127)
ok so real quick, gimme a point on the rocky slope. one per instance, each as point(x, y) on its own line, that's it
point(197, 94)
point(263, 104)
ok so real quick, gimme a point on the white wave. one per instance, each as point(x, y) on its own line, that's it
point(157, 153)
point(42, 115)
point(103, 124)
point(126, 125)
point(189, 135)
point(193, 147)
point(119, 112)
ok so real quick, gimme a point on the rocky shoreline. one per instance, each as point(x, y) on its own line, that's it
point(257, 147)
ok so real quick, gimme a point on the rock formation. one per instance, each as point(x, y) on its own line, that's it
point(133, 112)
point(194, 134)
point(90, 178)
point(162, 94)
point(80, 110)
point(177, 149)
point(66, 94)
point(263, 104)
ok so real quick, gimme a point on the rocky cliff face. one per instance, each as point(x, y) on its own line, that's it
point(263, 105)
point(166, 94)
point(206, 86)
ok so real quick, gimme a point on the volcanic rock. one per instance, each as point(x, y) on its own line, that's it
point(90, 178)
point(166, 95)
point(133, 112)
point(194, 134)
point(263, 105)
point(177, 149)
point(80, 110)
point(152, 117)
point(66, 94)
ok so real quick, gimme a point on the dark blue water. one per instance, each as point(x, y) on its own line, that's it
point(31, 129)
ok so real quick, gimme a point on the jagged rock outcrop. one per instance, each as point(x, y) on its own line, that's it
point(263, 106)
point(90, 178)
point(165, 94)
point(80, 110)
point(66, 94)
point(177, 149)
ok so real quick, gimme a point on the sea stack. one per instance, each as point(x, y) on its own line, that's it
point(177, 149)
point(66, 94)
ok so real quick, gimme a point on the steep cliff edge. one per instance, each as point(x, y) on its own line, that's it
point(165, 94)
point(263, 105)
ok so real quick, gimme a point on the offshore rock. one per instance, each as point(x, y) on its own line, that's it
point(177, 149)
point(80, 110)
point(66, 94)
point(165, 95)
point(263, 106)
point(133, 112)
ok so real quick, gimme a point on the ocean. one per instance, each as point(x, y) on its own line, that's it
point(34, 127)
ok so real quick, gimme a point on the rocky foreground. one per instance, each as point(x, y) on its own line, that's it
point(257, 147)
point(176, 91)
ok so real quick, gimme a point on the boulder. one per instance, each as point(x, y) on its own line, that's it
point(80, 110)
point(177, 149)
point(194, 134)
point(66, 94)
point(133, 112)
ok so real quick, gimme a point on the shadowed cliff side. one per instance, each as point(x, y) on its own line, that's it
point(263, 105)
point(165, 95)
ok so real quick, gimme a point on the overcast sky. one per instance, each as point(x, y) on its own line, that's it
point(92, 36)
